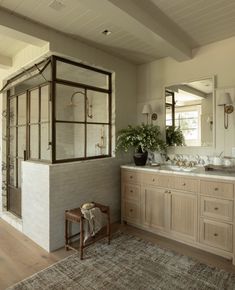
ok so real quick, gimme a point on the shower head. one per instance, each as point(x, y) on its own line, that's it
point(72, 104)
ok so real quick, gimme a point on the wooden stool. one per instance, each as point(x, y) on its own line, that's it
point(76, 216)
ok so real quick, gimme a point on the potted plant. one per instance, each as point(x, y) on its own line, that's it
point(140, 138)
point(174, 136)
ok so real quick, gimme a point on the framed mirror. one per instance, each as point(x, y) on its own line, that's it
point(190, 113)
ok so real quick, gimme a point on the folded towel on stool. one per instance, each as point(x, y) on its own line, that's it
point(93, 221)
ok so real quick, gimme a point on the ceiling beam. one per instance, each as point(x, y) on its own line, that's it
point(21, 36)
point(13, 26)
point(193, 91)
point(188, 89)
point(5, 62)
point(147, 22)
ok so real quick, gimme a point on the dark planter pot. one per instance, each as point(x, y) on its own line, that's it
point(140, 158)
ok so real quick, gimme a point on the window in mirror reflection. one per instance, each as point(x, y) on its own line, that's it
point(189, 106)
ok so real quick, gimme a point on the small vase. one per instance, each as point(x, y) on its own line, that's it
point(140, 158)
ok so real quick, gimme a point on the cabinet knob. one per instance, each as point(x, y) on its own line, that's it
point(216, 188)
point(131, 210)
point(216, 235)
point(131, 176)
point(131, 190)
point(169, 191)
point(216, 208)
point(184, 184)
point(153, 179)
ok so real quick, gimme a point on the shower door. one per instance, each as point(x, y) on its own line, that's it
point(17, 131)
point(28, 131)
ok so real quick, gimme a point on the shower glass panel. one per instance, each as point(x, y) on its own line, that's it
point(45, 109)
point(34, 141)
point(70, 103)
point(97, 140)
point(44, 144)
point(70, 140)
point(34, 106)
point(22, 109)
point(74, 73)
point(21, 141)
point(97, 107)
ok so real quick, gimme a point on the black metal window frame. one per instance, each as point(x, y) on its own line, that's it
point(53, 121)
point(27, 92)
point(86, 87)
point(39, 123)
point(171, 105)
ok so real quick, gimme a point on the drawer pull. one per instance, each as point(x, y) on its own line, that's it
point(153, 179)
point(184, 184)
point(216, 188)
point(216, 235)
point(169, 191)
point(216, 208)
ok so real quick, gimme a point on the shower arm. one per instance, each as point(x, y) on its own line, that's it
point(88, 105)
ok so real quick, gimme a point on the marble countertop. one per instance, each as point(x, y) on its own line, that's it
point(198, 172)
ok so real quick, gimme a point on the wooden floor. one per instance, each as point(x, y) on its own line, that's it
point(20, 257)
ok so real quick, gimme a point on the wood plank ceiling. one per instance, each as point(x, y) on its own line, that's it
point(136, 36)
point(206, 21)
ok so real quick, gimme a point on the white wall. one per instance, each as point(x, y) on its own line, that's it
point(36, 203)
point(76, 183)
point(214, 59)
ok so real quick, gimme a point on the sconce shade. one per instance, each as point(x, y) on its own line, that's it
point(147, 109)
point(225, 99)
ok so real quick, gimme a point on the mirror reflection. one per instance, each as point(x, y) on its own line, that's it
point(189, 113)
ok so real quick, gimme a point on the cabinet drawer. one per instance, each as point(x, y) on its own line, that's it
point(158, 180)
point(217, 189)
point(131, 212)
point(216, 234)
point(217, 208)
point(131, 177)
point(131, 192)
point(186, 184)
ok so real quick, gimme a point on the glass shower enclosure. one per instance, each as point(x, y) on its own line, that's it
point(56, 111)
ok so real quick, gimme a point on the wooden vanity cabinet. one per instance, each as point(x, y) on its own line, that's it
point(193, 210)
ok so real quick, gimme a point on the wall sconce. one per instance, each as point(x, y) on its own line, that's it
point(226, 101)
point(147, 110)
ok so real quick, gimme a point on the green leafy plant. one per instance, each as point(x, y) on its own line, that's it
point(174, 136)
point(140, 138)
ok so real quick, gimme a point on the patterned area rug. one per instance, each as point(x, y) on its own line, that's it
point(128, 263)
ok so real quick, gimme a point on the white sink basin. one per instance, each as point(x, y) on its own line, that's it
point(178, 168)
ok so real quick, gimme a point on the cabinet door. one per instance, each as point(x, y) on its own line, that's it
point(155, 209)
point(184, 214)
